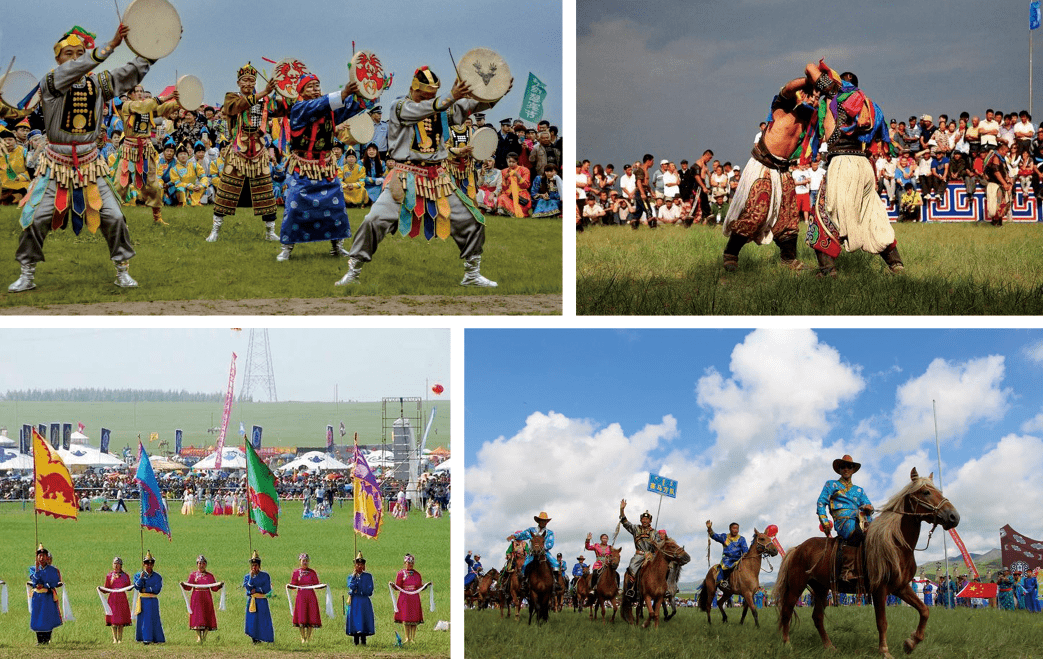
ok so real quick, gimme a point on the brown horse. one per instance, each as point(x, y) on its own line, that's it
point(558, 599)
point(651, 580)
point(607, 586)
point(541, 581)
point(581, 596)
point(890, 564)
point(511, 593)
point(486, 588)
point(744, 580)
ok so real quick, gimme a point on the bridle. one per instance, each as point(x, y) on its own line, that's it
point(932, 511)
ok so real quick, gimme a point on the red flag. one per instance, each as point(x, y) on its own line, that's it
point(975, 589)
point(82, 427)
point(963, 552)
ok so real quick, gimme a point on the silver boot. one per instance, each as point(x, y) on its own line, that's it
point(284, 255)
point(25, 281)
point(353, 273)
point(271, 235)
point(473, 276)
point(123, 278)
point(212, 238)
point(337, 248)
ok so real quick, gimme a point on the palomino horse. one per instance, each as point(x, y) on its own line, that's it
point(511, 591)
point(744, 579)
point(889, 545)
point(487, 588)
point(541, 581)
point(607, 586)
point(651, 580)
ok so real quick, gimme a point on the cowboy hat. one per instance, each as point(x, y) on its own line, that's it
point(847, 460)
point(542, 517)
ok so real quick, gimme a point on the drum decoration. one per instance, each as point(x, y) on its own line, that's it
point(20, 90)
point(286, 74)
point(486, 72)
point(155, 28)
point(358, 129)
point(189, 92)
point(366, 70)
point(483, 143)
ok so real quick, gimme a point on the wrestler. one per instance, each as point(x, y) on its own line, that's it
point(998, 185)
point(137, 162)
point(70, 179)
point(315, 208)
point(246, 178)
point(421, 193)
point(849, 212)
point(764, 207)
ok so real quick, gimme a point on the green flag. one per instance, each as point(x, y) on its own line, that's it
point(264, 500)
point(532, 102)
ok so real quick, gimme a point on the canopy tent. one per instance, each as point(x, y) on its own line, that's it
point(314, 461)
point(81, 455)
point(232, 458)
point(441, 450)
point(159, 463)
point(444, 467)
point(7, 441)
point(10, 460)
point(78, 437)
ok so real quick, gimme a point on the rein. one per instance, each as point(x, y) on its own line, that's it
point(932, 510)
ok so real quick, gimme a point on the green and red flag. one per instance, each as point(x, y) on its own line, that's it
point(260, 488)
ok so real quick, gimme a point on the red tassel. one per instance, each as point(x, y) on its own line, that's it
point(414, 231)
point(61, 199)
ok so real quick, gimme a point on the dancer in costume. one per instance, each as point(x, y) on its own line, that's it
point(120, 617)
point(148, 584)
point(359, 621)
point(202, 618)
point(409, 611)
point(421, 194)
point(44, 580)
point(306, 607)
point(998, 184)
point(246, 179)
point(258, 587)
point(137, 162)
point(314, 202)
point(460, 162)
point(849, 211)
point(764, 207)
point(734, 548)
point(70, 179)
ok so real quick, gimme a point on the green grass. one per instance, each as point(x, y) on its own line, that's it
point(285, 424)
point(84, 548)
point(175, 262)
point(955, 634)
point(974, 269)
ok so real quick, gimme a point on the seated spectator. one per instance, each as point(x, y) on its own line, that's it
point(514, 198)
point(939, 174)
point(960, 169)
point(546, 193)
point(719, 191)
point(592, 211)
point(670, 213)
point(1026, 168)
point(910, 205)
point(490, 184)
point(622, 208)
point(904, 171)
point(885, 176)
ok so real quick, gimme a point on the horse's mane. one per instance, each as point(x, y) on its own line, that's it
point(884, 536)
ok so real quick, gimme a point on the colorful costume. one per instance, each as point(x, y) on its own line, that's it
point(1031, 584)
point(44, 614)
point(315, 208)
point(643, 540)
point(150, 627)
point(409, 609)
point(359, 621)
point(551, 187)
point(474, 570)
point(70, 179)
point(137, 162)
point(842, 499)
point(306, 606)
point(997, 198)
point(13, 174)
point(548, 544)
point(201, 602)
point(420, 195)
point(188, 183)
point(118, 603)
point(928, 594)
point(258, 615)
point(353, 183)
point(1006, 600)
point(601, 552)
point(734, 548)
point(490, 184)
point(514, 197)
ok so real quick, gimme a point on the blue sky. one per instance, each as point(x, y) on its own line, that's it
point(220, 36)
point(590, 412)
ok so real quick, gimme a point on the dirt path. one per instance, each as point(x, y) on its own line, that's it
point(402, 305)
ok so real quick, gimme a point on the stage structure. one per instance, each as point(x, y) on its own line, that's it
point(402, 419)
point(259, 376)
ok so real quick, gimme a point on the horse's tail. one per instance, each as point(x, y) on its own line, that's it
point(782, 586)
point(704, 599)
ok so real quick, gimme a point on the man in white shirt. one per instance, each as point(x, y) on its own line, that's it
point(627, 185)
point(988, 130)
point(817, 174)
point(802, 190)
point(593, 212)
point(670, 213)
point(885, 174)
point(1024, 132)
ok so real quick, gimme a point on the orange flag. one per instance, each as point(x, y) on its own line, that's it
point(55, 495)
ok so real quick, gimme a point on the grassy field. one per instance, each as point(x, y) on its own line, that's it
point(961, 633)
point(175, 263)
point(965, 269)
point(83, 551)
point(285, 424)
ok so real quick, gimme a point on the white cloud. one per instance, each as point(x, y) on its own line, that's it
point(966, 393)
point(1035, 352)
point(1035, 424)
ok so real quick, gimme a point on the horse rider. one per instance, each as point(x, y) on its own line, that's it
point(734, 548)
point(601, 551)
point(474, 569)
point(539, 530)
point(845, 502)
point(508, 566)
point(577, 571)
point(644, 541)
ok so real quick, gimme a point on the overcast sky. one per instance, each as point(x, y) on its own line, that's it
point(748, 422)
point(364, 364)
point(221, 35)
point(673, 78)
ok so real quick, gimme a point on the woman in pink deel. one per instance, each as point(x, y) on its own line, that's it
point(120, 617)
point(409, 613)
point(306, 608)
point(203, 618)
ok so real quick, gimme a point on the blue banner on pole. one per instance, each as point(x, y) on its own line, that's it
point(106, 434)
point(329, 439)
point(66, 435)
point(257, 437)
point(56, 434)
point(26, 438)
point(178, 436)
point(664, 486)
point(1034, 14)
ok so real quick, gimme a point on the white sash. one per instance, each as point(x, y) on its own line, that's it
point(329, 597)
point(105, 600)
point(394, 602)
point(203, 586)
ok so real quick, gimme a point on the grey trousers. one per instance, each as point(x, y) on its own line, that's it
point(468, 232)
point(113, 227)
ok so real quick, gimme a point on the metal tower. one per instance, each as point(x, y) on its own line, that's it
point(259, 378)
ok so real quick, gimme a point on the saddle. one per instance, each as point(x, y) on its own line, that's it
point(847, 563)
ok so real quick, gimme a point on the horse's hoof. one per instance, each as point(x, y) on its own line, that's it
point(908, 645)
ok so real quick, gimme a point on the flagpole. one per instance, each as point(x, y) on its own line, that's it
point(249, 507)
point(355, 534)
point(938, 450)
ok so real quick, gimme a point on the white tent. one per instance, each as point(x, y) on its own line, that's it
point(232, 458)
point(78, 437)
point(14, 460)
point(7, 441)
point(88, 456)
point(445, 466)
point(315, 461)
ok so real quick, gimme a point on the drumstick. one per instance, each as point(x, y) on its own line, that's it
point(4, 79)
point(454, 64)
point(119, 15)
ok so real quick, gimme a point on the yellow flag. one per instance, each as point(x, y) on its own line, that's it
point(153, 436)
point(55, 495)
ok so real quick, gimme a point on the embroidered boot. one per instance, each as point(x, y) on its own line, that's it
point(353, 273)
point(284, 255)
point(731, 252)
point(826, 265)
point(270, 235)
point(892, 258)
point(157, 217)
point(212, 238)
point(25, 280)
point(123, 278)
point(337, 248)
point(473, 275)
point(788, 254)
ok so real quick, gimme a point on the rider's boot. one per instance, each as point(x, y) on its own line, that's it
point(631, 592)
